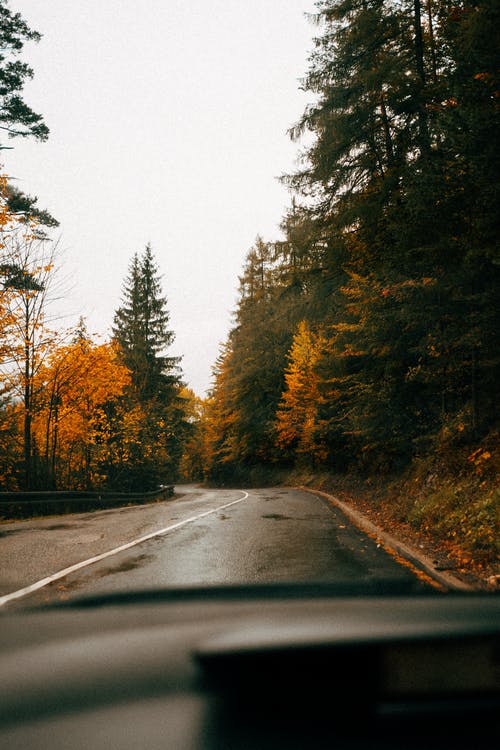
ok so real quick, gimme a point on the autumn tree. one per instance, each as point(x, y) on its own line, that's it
point(195, 452)
point(22, 222)
point(28, 278)
point(298, 427)
point(76, 387)
point(223, 452)
point(8, 224)
point(9, 444)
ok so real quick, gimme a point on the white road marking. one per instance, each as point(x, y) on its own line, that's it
point(77, 566)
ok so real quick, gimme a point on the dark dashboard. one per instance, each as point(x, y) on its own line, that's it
point(253, 667)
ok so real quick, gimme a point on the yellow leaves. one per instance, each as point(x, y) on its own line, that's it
point(479, 458)
point(297, 415)
point(350, 351)
point(73, 387)
point(6, 217)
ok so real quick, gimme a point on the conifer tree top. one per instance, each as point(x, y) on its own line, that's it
point(141, 328)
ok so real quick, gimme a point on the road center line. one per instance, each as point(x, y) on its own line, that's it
point(91, 560)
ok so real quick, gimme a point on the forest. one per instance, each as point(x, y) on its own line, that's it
point(364, 341)
point(78, 412)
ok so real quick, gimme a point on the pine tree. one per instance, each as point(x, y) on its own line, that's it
point(16, 117)
point(141, 330)
point(150, 425)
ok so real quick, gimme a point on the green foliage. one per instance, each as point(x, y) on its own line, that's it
point(150, 426)
point(393, 253)
point(463, 514)
point(141, 330)
point(16, 117)
point(25, 208)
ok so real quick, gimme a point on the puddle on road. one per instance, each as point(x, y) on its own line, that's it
point(62, 588)
point(125, 566)
point(269, 498)
point(9, 532)
point(57, 526)
point(53, 527)
point(279, 517)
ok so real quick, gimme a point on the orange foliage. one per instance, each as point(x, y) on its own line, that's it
point(195, 458)
point(79, 380)
point(297, 422)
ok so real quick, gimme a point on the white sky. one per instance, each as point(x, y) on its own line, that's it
point(168, 123)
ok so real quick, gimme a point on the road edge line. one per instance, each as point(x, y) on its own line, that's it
point(392, 544)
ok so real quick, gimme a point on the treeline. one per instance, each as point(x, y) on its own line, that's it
point(369, 334)
point(76, 412)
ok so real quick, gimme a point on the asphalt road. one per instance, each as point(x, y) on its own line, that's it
point(203, 537)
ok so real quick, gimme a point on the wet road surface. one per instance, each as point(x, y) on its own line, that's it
point(269, 535)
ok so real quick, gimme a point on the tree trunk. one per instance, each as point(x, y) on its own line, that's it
point(420, 66)
point(28, 478)
point(432, 41)
point(55, 436)
point(387, 131)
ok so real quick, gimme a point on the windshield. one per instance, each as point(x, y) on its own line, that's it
point(344, 434)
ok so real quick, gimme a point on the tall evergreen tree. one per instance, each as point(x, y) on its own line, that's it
point(141, 330)
point(150, 425)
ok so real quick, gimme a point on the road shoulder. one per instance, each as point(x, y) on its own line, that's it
point(402, 550)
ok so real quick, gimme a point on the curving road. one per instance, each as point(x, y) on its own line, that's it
point(201, 537)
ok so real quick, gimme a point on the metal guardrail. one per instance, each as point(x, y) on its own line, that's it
point(25, 504)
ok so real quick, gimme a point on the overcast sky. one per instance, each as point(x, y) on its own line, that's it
point(168, 123)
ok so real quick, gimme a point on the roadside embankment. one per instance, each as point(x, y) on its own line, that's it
point(451, 522)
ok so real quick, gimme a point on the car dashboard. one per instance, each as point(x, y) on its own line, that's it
point(252, 667)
